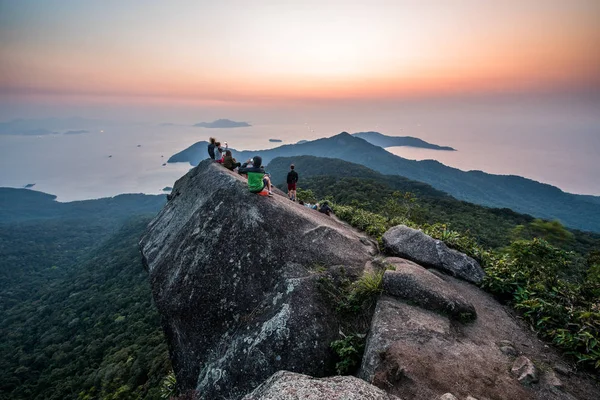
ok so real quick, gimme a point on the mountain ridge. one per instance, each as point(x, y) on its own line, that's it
point(520, 194)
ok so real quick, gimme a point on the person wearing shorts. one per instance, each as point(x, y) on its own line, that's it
point(292, 180)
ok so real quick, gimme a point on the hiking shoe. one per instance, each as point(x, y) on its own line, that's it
point(270, 194)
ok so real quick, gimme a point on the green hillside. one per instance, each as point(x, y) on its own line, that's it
point(349, 183)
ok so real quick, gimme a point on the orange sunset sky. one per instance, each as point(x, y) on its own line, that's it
point(261, 49)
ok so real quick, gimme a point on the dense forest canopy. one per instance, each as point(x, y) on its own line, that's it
point(76, 313)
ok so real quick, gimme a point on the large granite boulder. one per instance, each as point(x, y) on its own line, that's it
point(234, 276)
point(417, 285)
point(286, 385)
point(415, 353)
point(414, 245)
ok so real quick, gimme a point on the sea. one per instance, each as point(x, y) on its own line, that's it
point(559, 146)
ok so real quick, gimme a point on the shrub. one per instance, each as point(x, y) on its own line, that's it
point(349, 350)
point(563, 312)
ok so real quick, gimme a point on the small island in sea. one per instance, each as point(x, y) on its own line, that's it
point(222, 123)
point(78, 132)
point(275, 140)
point(167, 189)
point(29, 185)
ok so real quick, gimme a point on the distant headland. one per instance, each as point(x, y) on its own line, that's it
point(222, 123)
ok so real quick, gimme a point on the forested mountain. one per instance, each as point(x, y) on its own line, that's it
point(77, 320)
point(349, 183)
point(503, 191)
point(381, 140)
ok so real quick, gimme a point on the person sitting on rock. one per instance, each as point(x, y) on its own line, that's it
point(325, 209)
point(229, 162)
point(218, 153)
point(258, 179)
point(211, 147)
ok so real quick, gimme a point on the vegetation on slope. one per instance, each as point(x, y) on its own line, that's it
point(365, 189)
point(76, 315)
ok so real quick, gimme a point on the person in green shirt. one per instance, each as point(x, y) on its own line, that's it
point(258, 179)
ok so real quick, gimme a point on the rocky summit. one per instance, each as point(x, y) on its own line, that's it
point(234, 276)
point(244, 282)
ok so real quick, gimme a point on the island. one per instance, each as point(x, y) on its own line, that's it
point(275, 140)
point(382, 140)
point(302, 141)
point(167, 189)
point(29, 185)
point(79, 132)
point(222, 123)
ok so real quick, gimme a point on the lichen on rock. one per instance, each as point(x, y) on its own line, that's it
point(231, 277)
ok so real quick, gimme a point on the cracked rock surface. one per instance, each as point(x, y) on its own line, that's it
point(233, 275)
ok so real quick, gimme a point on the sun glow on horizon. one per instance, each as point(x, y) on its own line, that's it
point(287, 50)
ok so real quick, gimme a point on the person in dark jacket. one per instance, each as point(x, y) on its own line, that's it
point(325, 209)
point(211, 147)
point(258, 180)
point(292, 179)
point(229, 162)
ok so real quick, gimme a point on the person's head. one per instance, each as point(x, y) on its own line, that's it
point(301, 202)
point(257, 161)
point(292, 166)
point(325, 203)
point(228, 153)
point(218, 144)
point(212, 140)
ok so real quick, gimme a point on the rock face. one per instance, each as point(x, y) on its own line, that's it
point(415, 353)
point(233, 275)
point(290, 386)
point(524, 370)
point(414, 245)
point(414, 283)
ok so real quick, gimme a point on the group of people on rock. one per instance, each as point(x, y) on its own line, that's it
point(258, 178)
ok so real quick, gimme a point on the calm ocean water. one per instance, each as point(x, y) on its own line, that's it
point(559, 148)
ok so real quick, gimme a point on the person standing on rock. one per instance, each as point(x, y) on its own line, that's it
point(211, 147)
point(258, 181)
point(292, 179)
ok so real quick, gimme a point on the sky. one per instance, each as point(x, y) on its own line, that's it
point(278, 51)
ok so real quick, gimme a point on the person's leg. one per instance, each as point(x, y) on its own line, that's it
point(268, 183)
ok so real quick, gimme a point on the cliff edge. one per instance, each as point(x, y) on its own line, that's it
point(234, 276)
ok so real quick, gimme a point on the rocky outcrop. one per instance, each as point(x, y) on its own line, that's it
point(415, 353)
point(414, 245)
point(290, 386)
point(524, 370)
point(233, 275)
point(416, 284)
